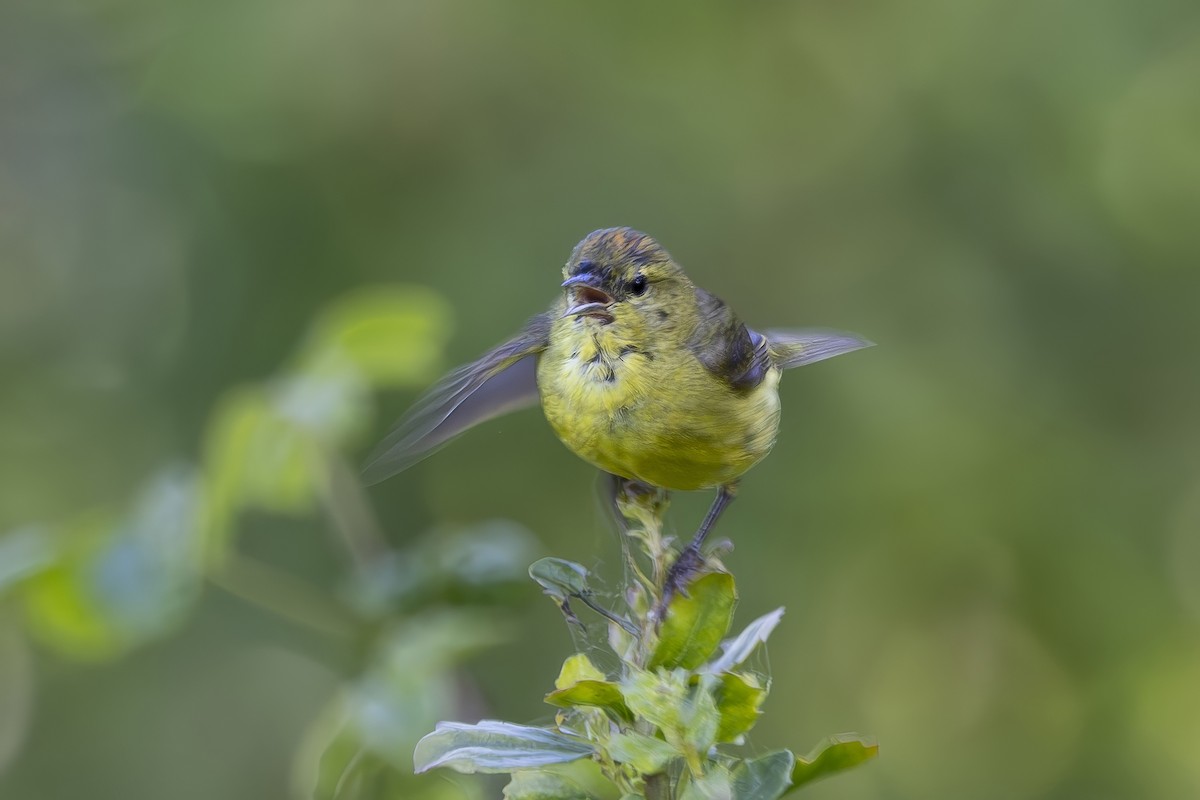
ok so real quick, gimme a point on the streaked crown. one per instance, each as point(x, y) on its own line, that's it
point(612, 253)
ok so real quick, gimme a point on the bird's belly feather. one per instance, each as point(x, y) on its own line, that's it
point(672, 425)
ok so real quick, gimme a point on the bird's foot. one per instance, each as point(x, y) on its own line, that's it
point(690, 565)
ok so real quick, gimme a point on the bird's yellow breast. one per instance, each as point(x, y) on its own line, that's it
point(652, 413)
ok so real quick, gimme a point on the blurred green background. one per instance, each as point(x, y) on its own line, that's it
point(238, 236)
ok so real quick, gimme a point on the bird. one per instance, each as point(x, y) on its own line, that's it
point(638, 371)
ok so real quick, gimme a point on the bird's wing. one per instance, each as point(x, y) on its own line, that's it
point(726, 347)
point(797, 348)
point(503, 380)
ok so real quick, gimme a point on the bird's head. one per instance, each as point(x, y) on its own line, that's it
point(622, 276)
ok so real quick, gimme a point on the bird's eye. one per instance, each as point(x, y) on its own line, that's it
point(637, 286)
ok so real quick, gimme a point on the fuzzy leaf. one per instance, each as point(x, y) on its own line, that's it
point(764, 778)
point(738, 650)
point(24, 552)
point(17, 680)
point(836, 753)
point(114, 581)
point(560, 578)
point(716, 784)
point(646, 753)
point(581, 683)
point(739, 698)
point(393, 335)
point(575, 669)
point(701, 719)
point(695, 624)
point(533, 784)
point(622, 642)
point(492, 746)
point(657, 697)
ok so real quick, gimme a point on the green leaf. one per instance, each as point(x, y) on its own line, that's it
point(646, 754)
point(254, 458)
point(560, 578)
point(339, 766)
point(764, 778)
point(62, 612)
point(622, 642)
point(695, 624)
point(392, 335)
point(24, 552)
point(739, 700)
point(575, 669)
point(657, 697)
point(357, 774)
point(715, 784)
point(687, 715)
point(16, 691)
point(738, 650)
point(532, 784)
point(120, 580)
point(701, 720)
point(836, 753)
point(599, 694)
point(588, 775)
point(488, 554)
point(366, 732)
point(580, 683)
point(480, 564)
point(493, 746)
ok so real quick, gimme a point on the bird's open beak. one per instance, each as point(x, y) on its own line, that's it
point(587, 299)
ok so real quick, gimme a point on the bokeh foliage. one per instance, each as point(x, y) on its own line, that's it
point(98, 586)
point(986, 529)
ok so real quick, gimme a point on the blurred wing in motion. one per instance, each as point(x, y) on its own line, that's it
point(501, 381)
point(797, 348)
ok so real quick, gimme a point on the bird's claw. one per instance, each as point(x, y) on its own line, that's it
point(686, 569)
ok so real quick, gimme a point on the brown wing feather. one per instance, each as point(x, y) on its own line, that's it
point(726, 347)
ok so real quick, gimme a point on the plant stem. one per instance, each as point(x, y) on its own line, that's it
point(644, 510)
point(658, 787)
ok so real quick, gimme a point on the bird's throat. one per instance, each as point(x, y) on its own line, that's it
point(600, 354)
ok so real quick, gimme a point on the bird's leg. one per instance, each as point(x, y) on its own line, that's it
point(690, 560)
